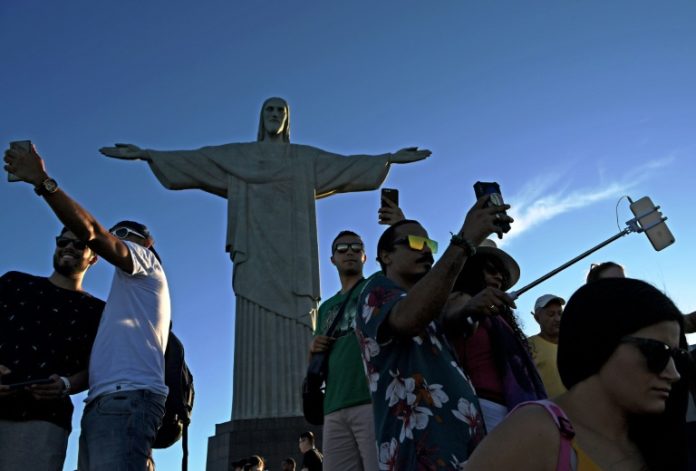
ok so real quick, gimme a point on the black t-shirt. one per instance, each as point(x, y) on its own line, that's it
point(44, 330)
point(312, 460)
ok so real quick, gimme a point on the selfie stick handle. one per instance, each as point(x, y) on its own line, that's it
point(632, 227)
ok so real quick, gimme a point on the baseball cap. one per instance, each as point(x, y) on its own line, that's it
point(544, 300)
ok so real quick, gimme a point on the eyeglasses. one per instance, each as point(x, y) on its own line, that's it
point(343, 248)
point(417, 243)
point(62, 242)
point(657, 354)
point(123, 232)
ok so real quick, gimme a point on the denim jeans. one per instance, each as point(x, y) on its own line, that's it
point(118, 430)
point(32, 444)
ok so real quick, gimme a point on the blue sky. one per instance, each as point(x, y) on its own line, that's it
point(569, 105)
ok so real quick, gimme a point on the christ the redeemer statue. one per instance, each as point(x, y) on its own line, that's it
point(270, 186)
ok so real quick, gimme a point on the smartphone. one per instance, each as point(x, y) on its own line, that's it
point(24, 145)
point(496, 199)
point(24, 384)
point(650, 220)
point(391, 194)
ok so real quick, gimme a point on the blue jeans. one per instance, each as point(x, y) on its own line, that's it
point(118, 430)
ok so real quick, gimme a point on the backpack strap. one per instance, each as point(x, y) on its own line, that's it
point(567, 461)
point(339, 316)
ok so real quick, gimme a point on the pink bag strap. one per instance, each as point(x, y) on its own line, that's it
point(565, 453)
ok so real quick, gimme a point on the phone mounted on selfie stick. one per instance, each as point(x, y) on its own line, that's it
point(647, 219)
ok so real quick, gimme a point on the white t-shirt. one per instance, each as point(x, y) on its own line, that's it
point(128, 352)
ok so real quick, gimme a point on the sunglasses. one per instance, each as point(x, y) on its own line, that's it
point(417, 243)
point(343, 248)
point(123, 232)
point(62, 242)
point(657, 354)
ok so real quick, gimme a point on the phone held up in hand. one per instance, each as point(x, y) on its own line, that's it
point(390, 194)
point(24, 145)
point(496, 199)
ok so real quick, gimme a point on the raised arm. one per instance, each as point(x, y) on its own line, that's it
point(29, 167)
point(427, 298)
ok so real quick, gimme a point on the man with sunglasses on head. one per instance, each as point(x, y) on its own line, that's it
point(348, 433)
point(425, 410)
point(127, 394)
point(47, 326)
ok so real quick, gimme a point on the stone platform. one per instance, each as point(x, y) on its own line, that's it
point(274, 439)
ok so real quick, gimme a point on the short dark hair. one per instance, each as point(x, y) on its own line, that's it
point(343, 234)
point(136, 226)
point(596, 270)
point(308, 435)
point(141, 229)
point(253, 460)
point(386, 240)
point(290, 461)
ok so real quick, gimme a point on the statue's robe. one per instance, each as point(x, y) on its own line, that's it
point(272, 241)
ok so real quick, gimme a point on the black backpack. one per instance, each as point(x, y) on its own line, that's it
point(177, 410)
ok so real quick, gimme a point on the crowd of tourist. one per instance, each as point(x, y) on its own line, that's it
point(428, 366)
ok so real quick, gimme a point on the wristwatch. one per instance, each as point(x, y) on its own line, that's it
point(67, 385)
point(46, 187)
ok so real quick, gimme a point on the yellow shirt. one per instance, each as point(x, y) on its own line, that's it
point(544, 356)
point(585, 463)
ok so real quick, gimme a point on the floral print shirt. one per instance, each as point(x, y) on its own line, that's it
point(427, 416)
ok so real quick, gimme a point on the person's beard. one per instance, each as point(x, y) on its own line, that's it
point(69, 268)
point(352, 271)
point(416, 277)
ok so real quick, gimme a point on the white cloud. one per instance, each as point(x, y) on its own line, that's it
point(541, 199)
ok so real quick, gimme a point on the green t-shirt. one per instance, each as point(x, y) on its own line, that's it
point(346, 384)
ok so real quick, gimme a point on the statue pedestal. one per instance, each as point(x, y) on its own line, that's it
point(274, 439)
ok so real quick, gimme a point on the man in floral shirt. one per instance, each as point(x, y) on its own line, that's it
point(426, 412)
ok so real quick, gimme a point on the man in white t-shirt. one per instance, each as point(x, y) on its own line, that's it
point(127, 394)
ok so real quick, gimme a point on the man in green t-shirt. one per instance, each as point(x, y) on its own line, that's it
point(349, 436)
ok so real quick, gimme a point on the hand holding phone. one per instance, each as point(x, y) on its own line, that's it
point(23, 145)
point(389, 211)
point(25, 384)
point(496, 199)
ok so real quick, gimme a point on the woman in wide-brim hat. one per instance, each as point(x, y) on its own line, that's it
point(488, 340)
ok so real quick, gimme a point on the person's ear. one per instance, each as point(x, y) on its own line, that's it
point(363, 258)
point(333, 262)
point(385, 257)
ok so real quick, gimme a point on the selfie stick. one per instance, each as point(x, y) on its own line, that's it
point(632, 226)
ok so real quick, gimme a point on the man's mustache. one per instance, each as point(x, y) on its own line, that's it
point(426, 258)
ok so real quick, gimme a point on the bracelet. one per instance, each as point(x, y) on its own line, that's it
point(66, 383)
point(460, 241)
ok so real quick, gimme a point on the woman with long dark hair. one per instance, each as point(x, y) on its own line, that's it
point(487, 337)
point(620, 356)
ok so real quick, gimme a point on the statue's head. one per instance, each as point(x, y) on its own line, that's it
point(275, 119)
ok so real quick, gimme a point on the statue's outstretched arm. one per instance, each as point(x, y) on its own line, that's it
point(409, 154)
point(126, 152)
